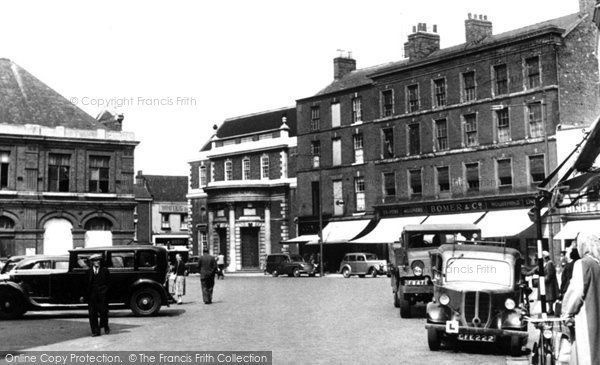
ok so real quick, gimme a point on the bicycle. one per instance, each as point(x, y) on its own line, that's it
point(552, 335)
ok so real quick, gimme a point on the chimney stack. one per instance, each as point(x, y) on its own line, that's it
point(477, 28)
point(421, 43)
point(111, 120)
point(343, 64)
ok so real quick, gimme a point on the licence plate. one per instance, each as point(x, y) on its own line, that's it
point(476, 338)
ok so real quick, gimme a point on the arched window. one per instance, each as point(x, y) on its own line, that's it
point(6, 223)
point(98, 232)
point(98, 224)
point(58, 239)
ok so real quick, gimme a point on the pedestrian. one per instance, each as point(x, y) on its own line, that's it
point(551, 280)
point(221, 266)
point(179, 279)
point(571, 255)
point(582, 300)
point(207, 266)
point(97, 290)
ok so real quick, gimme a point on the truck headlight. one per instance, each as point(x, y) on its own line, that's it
point(509, 304)
point(444, 299)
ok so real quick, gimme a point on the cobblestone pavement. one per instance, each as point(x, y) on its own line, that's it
point(327, 320)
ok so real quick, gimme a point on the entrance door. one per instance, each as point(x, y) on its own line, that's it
point(249, 236)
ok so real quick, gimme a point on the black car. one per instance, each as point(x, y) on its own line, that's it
point(191, 266)
point(288, 264)
point(138, 275)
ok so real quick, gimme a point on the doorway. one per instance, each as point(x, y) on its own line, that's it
point(249, 237)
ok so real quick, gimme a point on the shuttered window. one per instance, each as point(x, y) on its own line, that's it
point(504, 172)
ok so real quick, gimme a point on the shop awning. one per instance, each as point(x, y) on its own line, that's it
point(504, 223)
point(301, 239)
point(388, 230)
point(341, 231)
point(573, 228)
point(453, 218)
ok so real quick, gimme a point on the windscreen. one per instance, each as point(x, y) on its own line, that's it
point(460, 269)
point(435, 239)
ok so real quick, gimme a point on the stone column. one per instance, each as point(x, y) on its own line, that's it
point(267, 228)
point(232, 252)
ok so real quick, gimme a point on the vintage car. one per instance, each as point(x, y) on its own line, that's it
point(138, 275)
point(288, 264)
point(410, 267)
point(11, 262)
point(361, 264)
point(191, 265)
point(478, 296)
point(45, 263)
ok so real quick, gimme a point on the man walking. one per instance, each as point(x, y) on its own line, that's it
point(207, 266)
point(221, 266)
point(98, 283)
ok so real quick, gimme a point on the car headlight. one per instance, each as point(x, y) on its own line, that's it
point(509, 304)
point(418, 270)
point(444, 299)
point(547, 333)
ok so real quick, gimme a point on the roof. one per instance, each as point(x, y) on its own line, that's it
point(167, 188)
point(26, 100)
point(258, 122)
point(140, 191)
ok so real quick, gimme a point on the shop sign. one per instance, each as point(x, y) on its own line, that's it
point(579, 208)
point(172, 208)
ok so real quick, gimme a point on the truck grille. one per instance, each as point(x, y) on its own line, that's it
point(476, 308)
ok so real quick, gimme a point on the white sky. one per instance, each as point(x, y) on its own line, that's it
point(232, 57)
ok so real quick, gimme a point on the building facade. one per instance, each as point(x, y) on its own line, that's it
point(242, 188)
point(456, 135)
point(66, 179)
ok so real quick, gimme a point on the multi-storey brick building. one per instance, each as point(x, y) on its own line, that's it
point(66, 179)
point(461, 134)
point(242, 188)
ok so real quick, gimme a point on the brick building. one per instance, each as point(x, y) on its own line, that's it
point(242, 188)
point(462, 134)
point(66, 179)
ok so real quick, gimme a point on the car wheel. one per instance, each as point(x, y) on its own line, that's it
point(396, 301)
point(433, 339)
point(404, 304)
point(275, 273)
point(515, 346)
point(373, 273)
point(12, 304)
point(145, 302)
point(296, 273)
point(346, 272)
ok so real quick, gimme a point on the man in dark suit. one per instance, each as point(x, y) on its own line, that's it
point(98, 283)
point(207, 266)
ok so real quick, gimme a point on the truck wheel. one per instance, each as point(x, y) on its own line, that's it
point(396, 301)
point(346, 272)
point(145, 302)
point(433, 339)
point(372, 273)
point(404, 304)
point(12, 304)
point(296, 273)
point(515, 346)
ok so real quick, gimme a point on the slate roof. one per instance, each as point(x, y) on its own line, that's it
point(141, 192)
point(26, 100)
point(258, 122)
point(167, 188)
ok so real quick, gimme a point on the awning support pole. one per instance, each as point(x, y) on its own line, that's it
point(541, 281)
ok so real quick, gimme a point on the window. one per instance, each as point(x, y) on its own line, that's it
point(264, 167)
point(99, 174)
point(387, 135)
point(356, 110)
point(121, 260)
point(316, 197)
point(316, 152)
point(532, 68)
point(358, 148)
point(165, 222)
point(246, 168)
point(439, 92)
point(335, 115)
point(203, 176)
point(468, 79)
point(415, 183)
point(4, 161)
point(503, 125)
point(470, 122)
point(228, 171)
point(472, 176)
point(387, 103)
point(414, 139)
point(359, 190)
point(336, 147)
point(146, 259)
point(315, 118)
point(443, 179)
point(500, 80)
point(537, 169)
point(504, 167)
point(413, 98)
point(58, 172)
point(441, 134)
point(536, 128)
point(389, 184)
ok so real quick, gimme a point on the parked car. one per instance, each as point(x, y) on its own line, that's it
point(191, 266)
point(3, 261)
point(11, 262)
point(292, 265)
point(478, 296)
point(361, 264)
point(33, 264)
point(138, 281)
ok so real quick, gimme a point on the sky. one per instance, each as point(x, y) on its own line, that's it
point(176, 68)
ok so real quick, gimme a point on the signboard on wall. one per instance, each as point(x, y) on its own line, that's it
point(173, 208)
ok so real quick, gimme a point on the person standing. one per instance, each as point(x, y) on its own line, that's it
point(207, 266)
point(221, 266)
point(179, 279)
point(582, 300)
point(98, 284)
point(552, 292)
